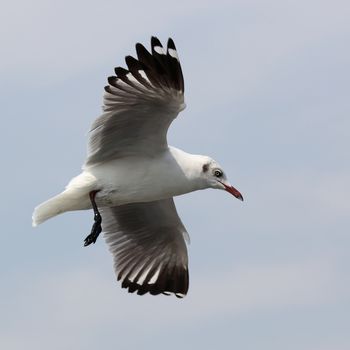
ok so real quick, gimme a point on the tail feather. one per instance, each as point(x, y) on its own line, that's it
point(59, 204)
point(48, 209)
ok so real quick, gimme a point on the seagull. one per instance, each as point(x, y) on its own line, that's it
point(131, 175)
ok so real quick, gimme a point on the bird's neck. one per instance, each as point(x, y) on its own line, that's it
point(191, 166)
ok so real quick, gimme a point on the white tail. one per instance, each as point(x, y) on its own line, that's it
point(74, 197)
point(52, 207)
point(59, 204)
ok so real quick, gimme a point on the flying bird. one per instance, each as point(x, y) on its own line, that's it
point(131, 175)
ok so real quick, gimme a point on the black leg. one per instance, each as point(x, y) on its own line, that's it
point(96, 227)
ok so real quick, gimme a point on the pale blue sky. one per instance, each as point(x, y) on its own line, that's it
point(267, 90)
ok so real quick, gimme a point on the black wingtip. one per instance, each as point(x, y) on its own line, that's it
point(171, 44)
point(171, 281)
point(160, 64)
point(140, 48)
point(107, 88)
point(112, 80)
point(155, 42)
point(120, 71)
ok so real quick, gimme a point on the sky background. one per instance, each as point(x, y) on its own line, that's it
point(267, 90)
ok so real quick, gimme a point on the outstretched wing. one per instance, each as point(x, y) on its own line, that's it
point(139, 105)
point(148, 246)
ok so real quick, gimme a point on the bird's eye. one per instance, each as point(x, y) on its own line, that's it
point(218, 173)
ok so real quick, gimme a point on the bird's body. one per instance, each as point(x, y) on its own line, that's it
point(131, 175)
point(135, 179)
point(131, 180)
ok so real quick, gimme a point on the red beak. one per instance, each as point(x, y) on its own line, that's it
point(233, 191)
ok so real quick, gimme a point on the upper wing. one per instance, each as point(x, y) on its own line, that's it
point(148, 246)
point(139, 105)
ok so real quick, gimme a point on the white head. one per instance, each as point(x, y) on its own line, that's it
point(214, 177)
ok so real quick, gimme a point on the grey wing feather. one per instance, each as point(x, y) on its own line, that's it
point(139, 105)
point(148, 246)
